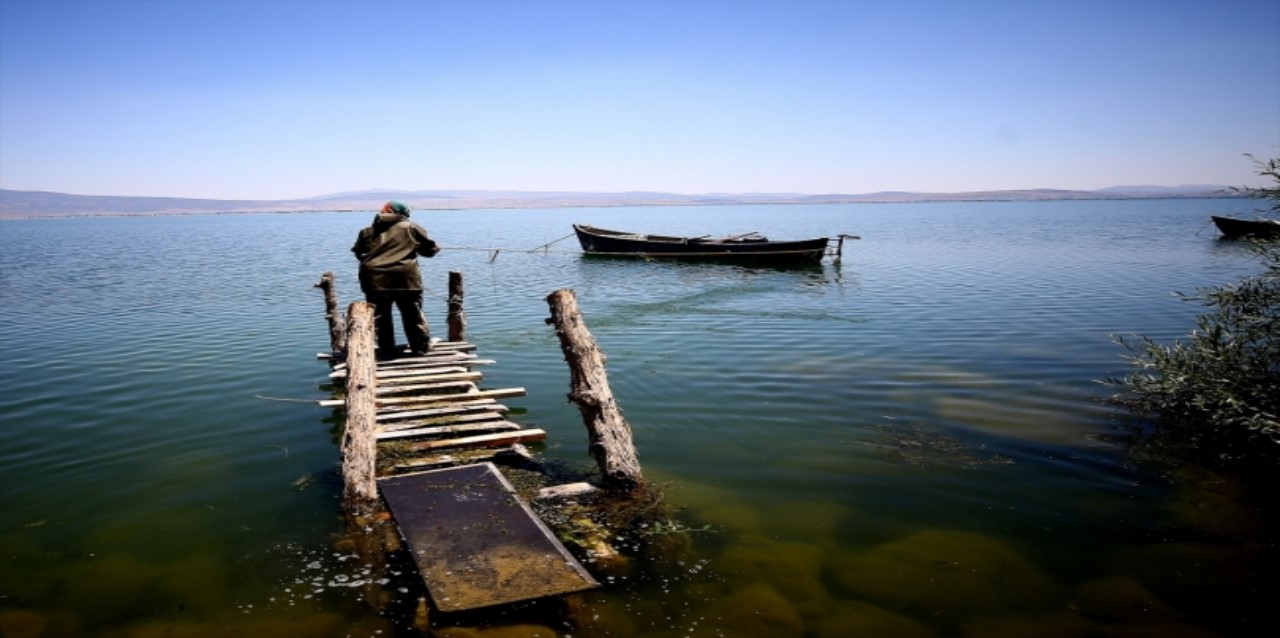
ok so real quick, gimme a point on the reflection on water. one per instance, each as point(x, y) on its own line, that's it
point(910, 443)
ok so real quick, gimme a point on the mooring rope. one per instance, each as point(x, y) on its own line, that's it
point(266, 398)
point(544, 249)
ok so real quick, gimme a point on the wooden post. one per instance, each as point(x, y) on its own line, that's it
point(337, 332)
point(609, 433)
point(359, 445)
point(457, 316)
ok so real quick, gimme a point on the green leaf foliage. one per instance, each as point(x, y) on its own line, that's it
point(1217, 391)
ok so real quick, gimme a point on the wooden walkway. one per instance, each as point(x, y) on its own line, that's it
point(434, 409)
point(421, 433)
point(475, 541)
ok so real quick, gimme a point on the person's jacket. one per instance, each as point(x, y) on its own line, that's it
point(388, 252)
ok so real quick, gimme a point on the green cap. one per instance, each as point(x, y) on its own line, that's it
point(396, 207)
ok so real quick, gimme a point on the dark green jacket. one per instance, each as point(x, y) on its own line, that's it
point(388, 252)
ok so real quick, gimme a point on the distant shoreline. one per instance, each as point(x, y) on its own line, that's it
point(27, 205)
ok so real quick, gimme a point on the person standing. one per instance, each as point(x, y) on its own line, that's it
point(388, 252)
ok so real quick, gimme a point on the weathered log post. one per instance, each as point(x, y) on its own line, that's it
point(359, 447)
point(608, 432)
point(457, 315)
point(337, 331)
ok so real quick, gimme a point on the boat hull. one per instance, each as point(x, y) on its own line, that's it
point(599, 241)
point(1232, 228)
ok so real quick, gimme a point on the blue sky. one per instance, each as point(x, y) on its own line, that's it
point(274, 99)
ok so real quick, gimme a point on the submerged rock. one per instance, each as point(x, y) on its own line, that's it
point(818, 520)
point(1058, 624)
point(22, 624)
point(792, 569)
point(503, 631)
point(758, 611)
point(946, 571)
point(863, 619)
point(1122, 599)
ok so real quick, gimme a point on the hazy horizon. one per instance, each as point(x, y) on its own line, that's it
point(278, 100)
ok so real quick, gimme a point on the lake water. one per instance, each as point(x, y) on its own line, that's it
point(909, 443)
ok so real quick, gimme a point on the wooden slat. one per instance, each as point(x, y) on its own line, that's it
point(465, 361)
point(453, 345)
point(424, 402)
point(400, 361)
point(407, 468)
point(431, 378)
point(426, 388)
point(395, 364)
point(396, 409)
point(457, 346)
point(482, 440)
point(484, 426)
point(503, 393)
point(479, 406)
point(448, 419)
point(408, 371)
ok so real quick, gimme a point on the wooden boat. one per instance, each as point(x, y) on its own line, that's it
point(744, 247)
point(1231, 227)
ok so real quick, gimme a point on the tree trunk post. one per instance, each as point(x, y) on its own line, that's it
point(609, 433)
point(337, 331)
point(457, 315)
point(359, 447)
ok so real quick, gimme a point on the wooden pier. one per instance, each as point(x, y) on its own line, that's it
point(421, 434)
point(434, 407)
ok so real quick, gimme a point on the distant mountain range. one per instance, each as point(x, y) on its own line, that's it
point(26, 204)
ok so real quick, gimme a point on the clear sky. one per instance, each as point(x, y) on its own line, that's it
point(275, 99)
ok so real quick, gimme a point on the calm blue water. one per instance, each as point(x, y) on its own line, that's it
point(911, 442)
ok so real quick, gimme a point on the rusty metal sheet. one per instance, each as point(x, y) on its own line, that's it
point(475, 542)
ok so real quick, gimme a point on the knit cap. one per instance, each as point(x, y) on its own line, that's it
point(396, 207)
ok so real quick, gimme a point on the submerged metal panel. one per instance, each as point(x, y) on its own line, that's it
point(475, 542)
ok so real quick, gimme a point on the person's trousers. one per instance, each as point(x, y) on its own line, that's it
point(409, 303)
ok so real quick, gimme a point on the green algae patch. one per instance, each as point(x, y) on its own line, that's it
point(22, 624)
point(1164, 566)
point(1057, 624)
point(1010, 419)
point(791, 569)
point(1214, 504)
point(1122, 599)
point(737, 518)
point(945, 571)
point(107, 589)
point(820, 521)
point(758, 611)
point(503, 631)
point(302, 625)
point(864, 619)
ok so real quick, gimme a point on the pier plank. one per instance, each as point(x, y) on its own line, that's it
point(488, 405)
point(406, 371)
point(476, 543)
point(461, 428)
point(448, 419)
point(432, 378)
point(427, 388)
point(444, 460)
point(429, 399)
point(482, 440)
